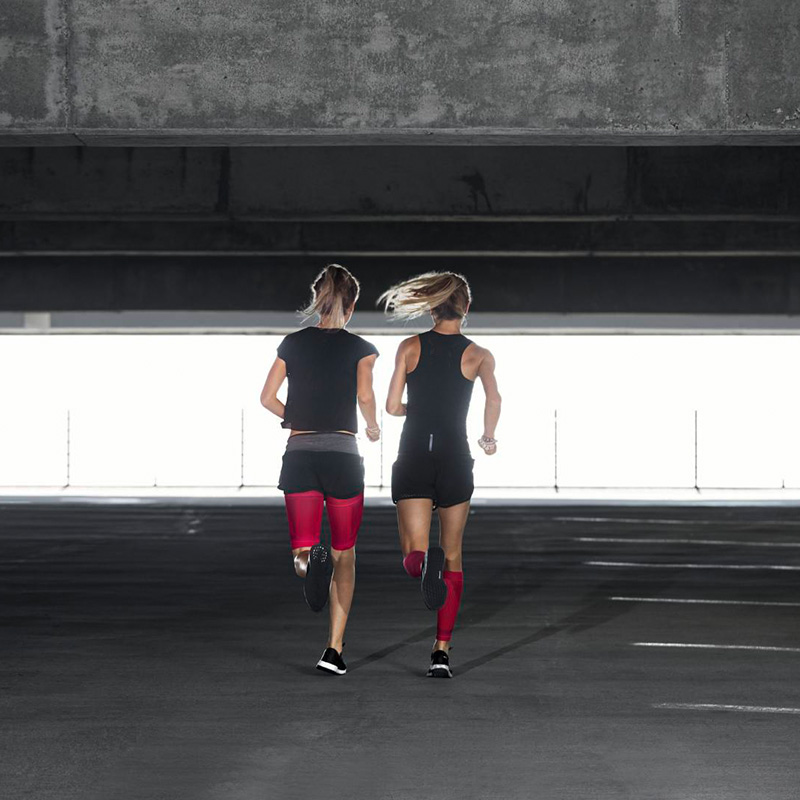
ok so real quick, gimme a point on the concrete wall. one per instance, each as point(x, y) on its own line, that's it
point(85, 71)
point(707, 230)
point(271, 182)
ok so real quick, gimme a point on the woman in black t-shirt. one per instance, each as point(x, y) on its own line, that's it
point(329, 371)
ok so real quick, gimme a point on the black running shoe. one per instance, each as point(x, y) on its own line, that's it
point(332, 662)
point(318, 577)
point(434, 589)
point(440, 665)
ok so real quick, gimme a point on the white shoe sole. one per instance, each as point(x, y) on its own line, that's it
point(439, 671)
point(324, 665)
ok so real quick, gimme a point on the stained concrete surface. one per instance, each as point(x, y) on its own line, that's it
point(345, 183)
point(165, 652)
point(34, 94)
point(659, 67)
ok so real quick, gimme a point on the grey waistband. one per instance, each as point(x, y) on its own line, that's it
point(321, 442)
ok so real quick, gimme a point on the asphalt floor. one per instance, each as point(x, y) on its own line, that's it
point(162, 652)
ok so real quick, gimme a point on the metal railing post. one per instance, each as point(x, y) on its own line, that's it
point(696, 487)
point(68, 448)
point(381, 452)
point(555, 449)
point(241, 453)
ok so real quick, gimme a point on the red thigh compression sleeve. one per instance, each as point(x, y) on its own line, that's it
point(304, 511)
point(344, 517)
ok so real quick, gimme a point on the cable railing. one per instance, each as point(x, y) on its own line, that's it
point(241, 448)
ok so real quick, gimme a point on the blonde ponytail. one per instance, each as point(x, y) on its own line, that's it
point(333, 292)
point(445, 295)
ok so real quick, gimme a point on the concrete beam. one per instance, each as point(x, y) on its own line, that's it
point(365, 321)
point(272, 71)
point(283, 183)
point(475, 137)
point(522, 285)
point(491, 238)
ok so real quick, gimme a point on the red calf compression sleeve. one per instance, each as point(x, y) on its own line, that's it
point(446, 619)
point(344, 517)
point(412, 563)
point(304, 511)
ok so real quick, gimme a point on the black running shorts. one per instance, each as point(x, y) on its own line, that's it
point(445, 479)
point(333, 473)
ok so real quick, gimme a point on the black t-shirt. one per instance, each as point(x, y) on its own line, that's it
point(322, 364)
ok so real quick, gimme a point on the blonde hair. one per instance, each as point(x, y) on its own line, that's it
point(445, 295)
point(333, 292)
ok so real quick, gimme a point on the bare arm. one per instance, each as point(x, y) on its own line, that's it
point(366, 395)
point(269, 394)
point(394, 400)
point(491, 412)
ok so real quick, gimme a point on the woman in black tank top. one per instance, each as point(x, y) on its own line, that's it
point(433, 469)
point(330, 372)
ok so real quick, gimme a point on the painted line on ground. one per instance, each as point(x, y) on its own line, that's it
point(637, 521)
point(691, 646)
point(693, 601)
point(650, 565)
point(724, 542)
point(725, 707)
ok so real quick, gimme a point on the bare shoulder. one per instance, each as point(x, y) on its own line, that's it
point(408, 346)
point(480, 354)
point(473, 360)
point(409, 342)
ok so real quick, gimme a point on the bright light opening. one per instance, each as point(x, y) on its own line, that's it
point(594, 411)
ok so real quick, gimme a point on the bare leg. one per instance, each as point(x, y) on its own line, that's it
point(341, 596)
point(414, 523)
point(301, 560)
point(452, 521)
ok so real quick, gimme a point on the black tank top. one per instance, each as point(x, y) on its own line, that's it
point(438, 397)
point(322, 368)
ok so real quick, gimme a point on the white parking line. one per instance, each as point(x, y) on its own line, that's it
point(693, 601)
point(719, 646)
point(688, 566)
point(639, 521)
point(724, 542)
point(724, 707)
